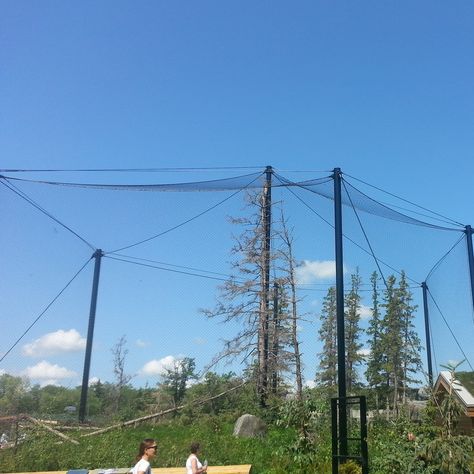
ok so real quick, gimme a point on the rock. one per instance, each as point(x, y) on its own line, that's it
point(250, 426)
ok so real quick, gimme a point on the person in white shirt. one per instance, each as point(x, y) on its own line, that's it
point(146, 452)
point(193, 465)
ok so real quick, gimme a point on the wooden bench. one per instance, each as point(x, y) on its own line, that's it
point(237, 469)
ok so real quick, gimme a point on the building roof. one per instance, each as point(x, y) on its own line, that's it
point(459, 390)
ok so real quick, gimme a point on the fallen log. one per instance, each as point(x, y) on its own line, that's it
point(161, 413)
point(52, 430)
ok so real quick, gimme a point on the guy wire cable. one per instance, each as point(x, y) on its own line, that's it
point(450, 330)
point(365, 234)
point(131, 259)
point(182, 272)
point(186, 221)
point(131, 170)
point(332, 226)
point(438, 263)
point(46, 309)
point(41, 209)
point(449, 220)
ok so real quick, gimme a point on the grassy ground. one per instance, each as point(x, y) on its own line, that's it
point(43, 451)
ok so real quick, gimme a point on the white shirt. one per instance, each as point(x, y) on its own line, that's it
point(189, 466)
point(141, 466)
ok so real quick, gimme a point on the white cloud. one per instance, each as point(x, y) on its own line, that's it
point(310, 383)
point(93, 381)
point(47, 373)
point(200, 341)
point(158, 367)
point(364, 352)
point(141, 343)
point(54, 343)
point(365, 312)
point(313, 270)
point(2, 372)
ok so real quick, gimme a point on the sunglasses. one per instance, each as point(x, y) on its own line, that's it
point(152, 447)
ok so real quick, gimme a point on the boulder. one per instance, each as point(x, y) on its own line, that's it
point(250, 426)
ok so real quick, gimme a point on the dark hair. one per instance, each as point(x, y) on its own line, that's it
point(194, 448)
point(146, 443)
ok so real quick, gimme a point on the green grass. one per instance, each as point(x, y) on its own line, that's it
point(45, 452)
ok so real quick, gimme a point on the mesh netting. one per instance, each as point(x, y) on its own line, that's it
point(168, 253)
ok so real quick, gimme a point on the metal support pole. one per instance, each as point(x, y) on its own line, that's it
point(427, 332)
point(90, 335)
point(341, 349)
point(470, 255)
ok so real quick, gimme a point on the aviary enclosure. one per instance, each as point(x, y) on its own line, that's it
point(156, 257)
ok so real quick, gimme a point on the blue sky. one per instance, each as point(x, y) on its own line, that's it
point(382, 90)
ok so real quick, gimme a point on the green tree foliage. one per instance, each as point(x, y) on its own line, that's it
point(12, 394)
point(411, 360)
point(175, 380)
point(395, 347)
point(54, 399)
point(353, 332)
point(326, 375)
point(376, 358)
point(392, 342)
point(400, 343)
point(308, 420)
point(234, 403)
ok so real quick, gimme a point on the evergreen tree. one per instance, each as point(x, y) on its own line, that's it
point(327, 373)
point(411, 359)
point(392, 342)
point(374, 372)
point(353, 332)
point(400, 343)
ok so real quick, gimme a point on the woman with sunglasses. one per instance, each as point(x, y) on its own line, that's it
point(146, 452)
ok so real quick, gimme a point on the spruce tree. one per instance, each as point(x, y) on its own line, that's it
point(400, 343)
point(377, 357)
point(392, 342)
point(411, 359)
point(353, 332)
point(327, 372)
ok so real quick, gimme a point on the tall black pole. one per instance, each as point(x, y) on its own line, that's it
point(341, 347)
point(90, 335)
point(427, 332)
point(470, 255)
